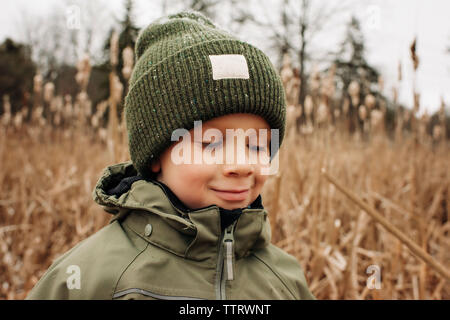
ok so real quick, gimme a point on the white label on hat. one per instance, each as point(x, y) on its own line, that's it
point(229, 66)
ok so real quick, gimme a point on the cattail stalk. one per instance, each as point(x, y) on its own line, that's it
point(114, 98)
point(415, 249)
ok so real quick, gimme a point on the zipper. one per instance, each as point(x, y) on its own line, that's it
point(225, 263)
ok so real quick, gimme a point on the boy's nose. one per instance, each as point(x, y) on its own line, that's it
point(238, 169)
point(237, 160)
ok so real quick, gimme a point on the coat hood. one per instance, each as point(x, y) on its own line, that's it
point(191, 233)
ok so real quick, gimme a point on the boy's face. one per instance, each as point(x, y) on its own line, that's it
point(228, 184)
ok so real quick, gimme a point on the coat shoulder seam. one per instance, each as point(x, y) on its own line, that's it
point(126, 268)
point(276, 273)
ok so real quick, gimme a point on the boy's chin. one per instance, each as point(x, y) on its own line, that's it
point(232, 206)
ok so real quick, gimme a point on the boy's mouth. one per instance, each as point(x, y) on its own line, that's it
point(232, 195)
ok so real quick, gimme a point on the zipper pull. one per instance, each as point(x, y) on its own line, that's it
point(228, 243)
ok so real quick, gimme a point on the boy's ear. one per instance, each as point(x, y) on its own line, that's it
point(156, 166)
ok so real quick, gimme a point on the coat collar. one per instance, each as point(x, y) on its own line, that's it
point(193, 234)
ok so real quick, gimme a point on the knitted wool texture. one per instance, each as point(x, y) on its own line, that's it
point(172, 84)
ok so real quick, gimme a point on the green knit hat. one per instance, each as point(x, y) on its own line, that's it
point(187, 69)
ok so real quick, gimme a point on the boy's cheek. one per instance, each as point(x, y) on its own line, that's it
point(196, 172)
point(261, 180)
point(264, 179)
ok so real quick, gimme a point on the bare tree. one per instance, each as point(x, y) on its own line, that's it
point(69, 30)
point(296, 23)
point(207, 7)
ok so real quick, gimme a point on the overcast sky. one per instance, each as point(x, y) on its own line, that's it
point(389, 27)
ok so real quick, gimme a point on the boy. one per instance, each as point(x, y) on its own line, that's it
point(184, 226)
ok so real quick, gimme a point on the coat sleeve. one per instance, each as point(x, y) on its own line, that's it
point(53, 285)
point(289, 271)
point(91, 269)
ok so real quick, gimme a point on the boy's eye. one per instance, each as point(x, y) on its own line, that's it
point(219, 143)
point(211, 144)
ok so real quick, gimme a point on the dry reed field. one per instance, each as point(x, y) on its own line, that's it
point(46, 208)
point(49, 166)
point(336, 241)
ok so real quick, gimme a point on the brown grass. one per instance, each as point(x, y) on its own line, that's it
point(336, 241)
point(46, 208)
point(48, 172)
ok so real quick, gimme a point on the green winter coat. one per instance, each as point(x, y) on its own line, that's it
point(153, 249)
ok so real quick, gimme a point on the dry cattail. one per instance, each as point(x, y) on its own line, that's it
point(293, 90)
point(380, 83)
point(57, 119)
point(6, 104)
point(68, 98)
point(423, 123)
point(414, 57)
point(127, 55)
point(308, 128)
point(399, 70)
point(6, 118)
point(328, 88)
point(101, 108)
point(42, 122)
point(376, 118)
point(406, 115)
point(308, 105)
point(383, 107)
point(24, 112)
point(68, 109)
point(85, 106)
point(416, 102)
point(437, 132)
point(114, 49)
point(84, 72)
point(58, 104)
point(362, 112)
point(103, 134)
point(346, 106)
point(121, 126)
point(76, 109)
point(441, 112)
point(94, 121)
point(353, 91)
point(395, 95)
point(18, 120)
point(315, 79)
point(337, 113)
point(49, 90)
point(37, 114)
point(82, 97)
point(292, 113)
point(88, 108)
point(37, 83)
point(117, 89)
point(425, 118)
point(286, 70)
point(322, 113)
point(369, 101)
